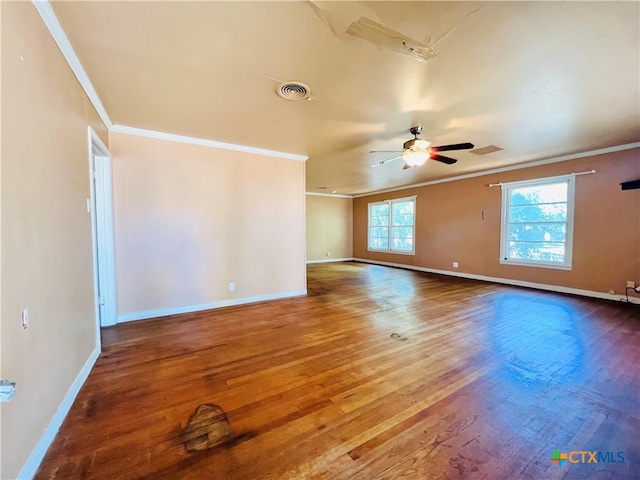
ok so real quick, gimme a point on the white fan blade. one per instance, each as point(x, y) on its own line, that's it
point(388, 160)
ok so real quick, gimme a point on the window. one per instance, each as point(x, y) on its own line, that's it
point(537, 222)
point(391, 225)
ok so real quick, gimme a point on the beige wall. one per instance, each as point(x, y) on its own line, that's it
point(450, 225)
point(329, 227)
point(46, 230)
point(191, 219)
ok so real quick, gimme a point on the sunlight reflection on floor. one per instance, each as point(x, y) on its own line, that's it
point(536, 342)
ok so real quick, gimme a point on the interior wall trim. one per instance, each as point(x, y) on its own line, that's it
point(330, 260)
point(507, 281)
point(141, 132)
point(519, 166)
point(163, 312)
point(31, 467)
point(52, 23)
point(336, 195)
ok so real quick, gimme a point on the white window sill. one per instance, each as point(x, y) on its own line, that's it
point(391, 251)
point(520, 263)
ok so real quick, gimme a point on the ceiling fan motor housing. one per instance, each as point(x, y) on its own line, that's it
point(417, 130)
point(416, 144)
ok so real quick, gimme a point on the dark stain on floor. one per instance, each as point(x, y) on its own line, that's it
point(206, 428)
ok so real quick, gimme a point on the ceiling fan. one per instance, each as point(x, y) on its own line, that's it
point(416, 151)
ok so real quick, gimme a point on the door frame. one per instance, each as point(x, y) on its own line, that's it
point(104, 278)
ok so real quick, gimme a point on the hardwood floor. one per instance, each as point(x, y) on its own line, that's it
point(378, 373)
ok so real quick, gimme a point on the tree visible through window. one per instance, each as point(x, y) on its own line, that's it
point(392, 225)
point(537, 222)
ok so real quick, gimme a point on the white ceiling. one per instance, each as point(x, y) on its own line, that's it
point(539, 79)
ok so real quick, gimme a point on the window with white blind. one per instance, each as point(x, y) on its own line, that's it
point(392, 226)
point(537, 222)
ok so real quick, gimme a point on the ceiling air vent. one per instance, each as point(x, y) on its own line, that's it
point(486, 150)
point(294, 91)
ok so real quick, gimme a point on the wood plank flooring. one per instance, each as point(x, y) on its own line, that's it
point(379, 373)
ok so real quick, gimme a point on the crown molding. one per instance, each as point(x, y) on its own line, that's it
point(564, 158)
point(52, 23)
point(141, 132)
point(336, 195)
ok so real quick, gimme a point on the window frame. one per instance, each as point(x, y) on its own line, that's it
point(390, 226)
point(569, 223)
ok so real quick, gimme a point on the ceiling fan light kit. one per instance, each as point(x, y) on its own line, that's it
point(415, 158)
point(416, 151)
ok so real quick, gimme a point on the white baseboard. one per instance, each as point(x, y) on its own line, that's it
point(508, 281)
point(31, 467)
point(327, 260)
point(163, 312)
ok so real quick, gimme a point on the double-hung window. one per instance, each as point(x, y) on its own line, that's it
point(537, 222)
point(392, 225)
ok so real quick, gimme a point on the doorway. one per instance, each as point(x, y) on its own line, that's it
point(101, 208)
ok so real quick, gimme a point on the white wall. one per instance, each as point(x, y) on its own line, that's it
point(191, 219)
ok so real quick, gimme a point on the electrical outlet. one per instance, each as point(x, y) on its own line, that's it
point(25, 318)
point(328, 254)
point(612, 292)
point(455, 264)
point(232, 287)
point(631, 284)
